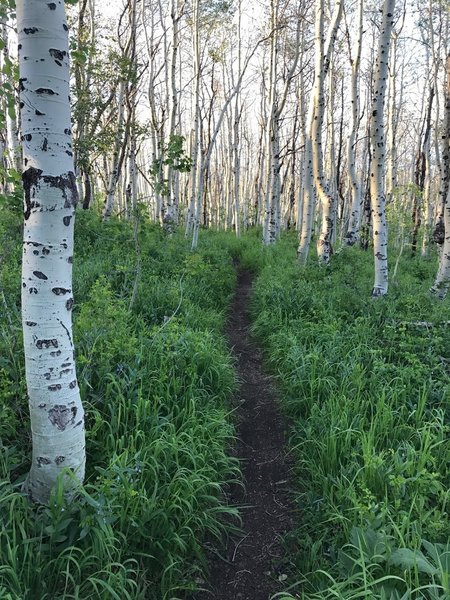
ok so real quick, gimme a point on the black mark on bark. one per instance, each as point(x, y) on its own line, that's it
point(57, 54)
point(55, 387)
point(60, 291)
point(30, 178)
point(61, 416)
point(45, 92)
point(40, 275)
point(47, 343)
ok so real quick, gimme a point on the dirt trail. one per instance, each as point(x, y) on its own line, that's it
point(249, 569)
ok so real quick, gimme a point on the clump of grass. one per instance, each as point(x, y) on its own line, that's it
point(156, 381)
point(367, 391)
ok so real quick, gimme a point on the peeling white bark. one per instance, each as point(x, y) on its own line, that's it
point(57, 418)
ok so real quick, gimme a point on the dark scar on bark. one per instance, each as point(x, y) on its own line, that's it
point(73, 384)
point(46, 343)
point(60, 459)
point(41, 460)
point(51, 5)
point(54, 388)
point(57, 54)
point(45, 92)
point(30, 178)
point(44, 146)
point(57, 353)
point(21, 86)
point(66, 221)
point(69, 304)
point(61, 416)
point(60, 291)
point(30, 323)
point(40, 275)
point(28, 30)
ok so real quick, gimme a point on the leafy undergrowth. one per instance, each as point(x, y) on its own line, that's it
point(366, 388)
point(155, 382)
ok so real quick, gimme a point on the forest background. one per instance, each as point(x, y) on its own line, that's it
point(195, 116)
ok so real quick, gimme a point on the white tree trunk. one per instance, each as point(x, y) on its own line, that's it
point(355, 210)
point(442, 281)
point(377, 138)
point(57, 418)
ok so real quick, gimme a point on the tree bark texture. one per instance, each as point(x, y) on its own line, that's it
point(50, 197)
point(377, 166)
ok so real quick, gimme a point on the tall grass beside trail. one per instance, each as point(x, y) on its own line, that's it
point(155, 382)
point(366, 388)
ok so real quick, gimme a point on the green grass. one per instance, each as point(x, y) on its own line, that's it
point(367, 393)
point(156, 383)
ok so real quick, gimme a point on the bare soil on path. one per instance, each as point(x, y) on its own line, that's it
point(249, 569)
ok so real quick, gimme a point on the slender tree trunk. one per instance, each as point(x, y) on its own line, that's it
point(377, 192)
point(355, 210)
point(57, 418)
point(442, 281)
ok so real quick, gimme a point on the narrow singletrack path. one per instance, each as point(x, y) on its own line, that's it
point(248, 570)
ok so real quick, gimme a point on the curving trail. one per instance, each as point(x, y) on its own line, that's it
point(248, 570)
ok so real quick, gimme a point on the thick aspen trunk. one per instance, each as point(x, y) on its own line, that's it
point(57, 418)
point(377, 193)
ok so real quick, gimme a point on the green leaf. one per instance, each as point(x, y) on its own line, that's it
point(411, 559)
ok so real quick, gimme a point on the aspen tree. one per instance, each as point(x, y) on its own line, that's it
point(120, 142)
point(355, 188)
point(192, 212)
point(236, 138)
point(391, 168)
point(377, 139)
point(420, 172)
point(277, 102)
point(50, 196)
point(324, 50)
point(442, 281)
point(313, 176)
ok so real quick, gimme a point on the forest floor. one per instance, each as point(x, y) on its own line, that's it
point(250, 567)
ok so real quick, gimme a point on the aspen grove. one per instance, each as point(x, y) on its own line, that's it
point(224, 308)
